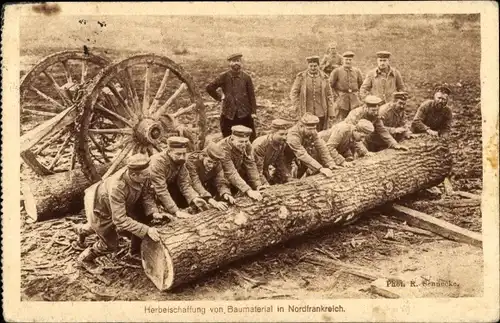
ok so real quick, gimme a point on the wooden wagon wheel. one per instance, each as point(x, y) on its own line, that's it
point(130, 108)
point(48, 93)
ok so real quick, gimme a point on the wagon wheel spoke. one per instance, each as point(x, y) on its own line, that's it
point(49, 141)
point(159, 93)
point(170, 100)
point(84, 71)
point(99, 147)
point(121, 100)
point(58, 89)
point(40, 113)
point(123, 131)
point(115, 115)
point(147, 82)
point(119, 159)
point(73, 157)
point(48, 98)
point(59, 152)
point(67, 72)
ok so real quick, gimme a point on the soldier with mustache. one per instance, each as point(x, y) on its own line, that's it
point(434, 116)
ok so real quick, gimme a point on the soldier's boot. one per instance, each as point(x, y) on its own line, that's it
point(86, 260)
point(82, 231)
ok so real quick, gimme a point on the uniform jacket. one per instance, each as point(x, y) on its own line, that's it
point(269, 152)
point(342, 80)
point(112, 202)
point(163, 172)
point(329, 62)
point(340, 142)
point(200, 176)
point(383, 87)
point(429, 116)
point(235, 163)
point(301, 146)
point(393, 118)
point(299, 90)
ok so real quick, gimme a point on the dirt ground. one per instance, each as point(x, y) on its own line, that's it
point(428, 50)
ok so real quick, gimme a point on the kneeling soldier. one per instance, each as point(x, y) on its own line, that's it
point(170, 178)
point(302, 141)
point(207, 176)
point(269, 151)
point(342, 140)
point(239, 164)
point(119, 203)
point(434, 116)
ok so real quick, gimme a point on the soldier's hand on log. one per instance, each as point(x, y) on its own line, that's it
point(400, 147)
point(200, 203)
point(229, 198)
point(221, 206)
point(254, 195)
point(182, 215)
point(159, 215)
point(432, 132)
point(326, 171)
point(153, 234)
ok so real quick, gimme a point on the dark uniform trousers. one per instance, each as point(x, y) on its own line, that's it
point(226, 124)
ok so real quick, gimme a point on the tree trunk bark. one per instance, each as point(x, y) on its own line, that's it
point(54, 196)
point(190, 248)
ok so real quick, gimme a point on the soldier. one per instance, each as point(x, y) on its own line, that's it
point(393, 116)
point(311, 93)
point(331, 60)
point(382, 81)
point(343, 138)
point(345, 82)
point(207, 176)
point(434, 116)
point(239, 164)
point(269, 151)
point(170, 179)
point(119, 203)
point(369, 111)
point(302, 141)
point(238, 97)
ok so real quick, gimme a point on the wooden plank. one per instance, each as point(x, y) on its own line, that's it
point(457, 203)
point(468, 195)
point(438, 226)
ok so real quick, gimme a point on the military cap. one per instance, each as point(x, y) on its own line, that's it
point(443, 89)
point(372, 100)
point(234, 56)
point(138, 162)
point(280, 124)
point(383, 54)
point(348, 54)
point(400, 95)
point(241, 131)
point(309, 120)
point(312, 59)
point(365, 126)
point(177, 142)
point(214, 151)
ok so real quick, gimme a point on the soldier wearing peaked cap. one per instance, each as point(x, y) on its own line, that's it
point(331, 60)
point(269, 151)
point(237, 99)
point(345, 82)
point(170, 179)
point(207, 176)
point(382, 81)
point(434, 116)
point(121, 202)
point(238, 163)
point(311, 93)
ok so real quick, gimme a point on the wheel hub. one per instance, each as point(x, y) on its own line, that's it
point(149, 131)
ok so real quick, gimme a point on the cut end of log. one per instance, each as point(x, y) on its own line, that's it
point(157, 263)
point(29, 202)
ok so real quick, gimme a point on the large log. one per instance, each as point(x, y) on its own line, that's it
point(190, 248)
point(55, 195)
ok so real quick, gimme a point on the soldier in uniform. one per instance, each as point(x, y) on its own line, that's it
point(345, 82)
point(434, 116)
point(269, 151)
point(369, 111)
point(238, 163)
point(207, 176)
point(121, 202)
point(343, 138)
point(331, 60)
point(311, 93)
point(382, 81)
point(302, 142)
point(170, 179)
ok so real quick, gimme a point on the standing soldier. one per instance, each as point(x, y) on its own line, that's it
point(170, 178)
point(382, 81)
point(207, 176)
point(343, 138)
point(331, 60)
point(434, 116)
point(238, 97)
point(345, 82)
point(302, 142)
point(121, 202)
point(311, 93)
point(269, 151)
point(239, 164)
point(369, 111)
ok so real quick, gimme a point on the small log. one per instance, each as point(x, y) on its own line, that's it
point(438, 226)
point(408, 229)
point(457, 203)
point(468, 195)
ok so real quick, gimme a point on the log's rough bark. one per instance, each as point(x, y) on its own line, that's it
point(192, 247)
point(56, 195)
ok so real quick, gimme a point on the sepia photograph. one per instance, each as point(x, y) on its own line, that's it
point(259, 161)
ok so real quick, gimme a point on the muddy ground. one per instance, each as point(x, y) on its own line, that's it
point(427, 50)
